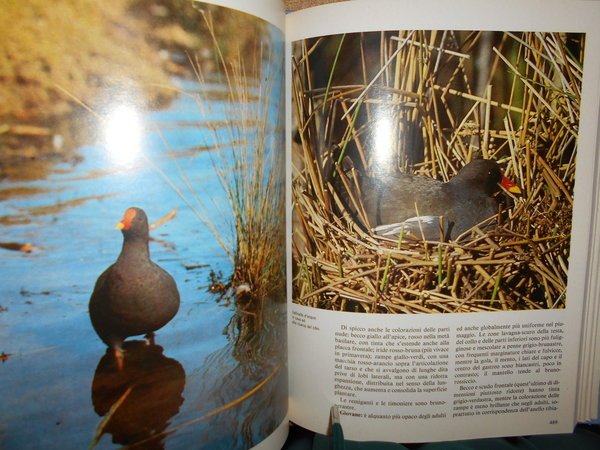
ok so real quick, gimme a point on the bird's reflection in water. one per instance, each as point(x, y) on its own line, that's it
point(155, 384)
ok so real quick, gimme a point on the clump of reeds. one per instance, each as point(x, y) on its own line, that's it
point(523, 113)
point(249, 163)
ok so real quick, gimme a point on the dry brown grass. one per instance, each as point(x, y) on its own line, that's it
point(249, 163)
point(522, 112)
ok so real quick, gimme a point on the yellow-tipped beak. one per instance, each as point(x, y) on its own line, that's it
point(510, 186)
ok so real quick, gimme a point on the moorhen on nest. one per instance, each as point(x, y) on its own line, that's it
point(134, 296)
point(431, 209)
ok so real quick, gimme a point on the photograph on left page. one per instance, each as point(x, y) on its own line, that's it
point(142, 218)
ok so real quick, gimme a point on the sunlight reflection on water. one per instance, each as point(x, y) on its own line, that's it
point(123, 133)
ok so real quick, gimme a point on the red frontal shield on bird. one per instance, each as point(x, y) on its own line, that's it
point(125, 222)
point(510, 185)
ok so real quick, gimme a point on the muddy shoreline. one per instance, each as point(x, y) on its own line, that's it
point(60, 60)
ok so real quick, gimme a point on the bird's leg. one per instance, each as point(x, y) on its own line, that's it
point(150, 338)
point(119, 357)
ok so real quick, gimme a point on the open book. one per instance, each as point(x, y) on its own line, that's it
point(386, 206)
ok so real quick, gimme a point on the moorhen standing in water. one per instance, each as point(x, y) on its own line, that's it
point(430, 208)
point(134, 296)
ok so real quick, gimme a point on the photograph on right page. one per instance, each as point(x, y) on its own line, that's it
point(434, 171)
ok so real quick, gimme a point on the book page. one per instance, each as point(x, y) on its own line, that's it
point(441, 190)
point(142, 225)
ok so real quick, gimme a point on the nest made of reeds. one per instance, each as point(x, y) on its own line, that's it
point(449, 97)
